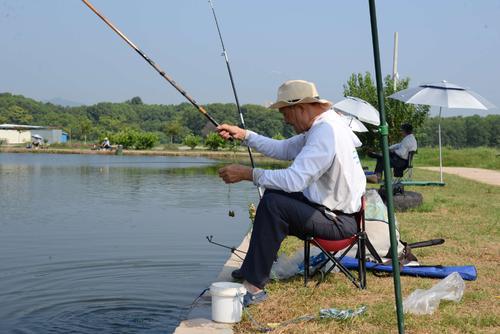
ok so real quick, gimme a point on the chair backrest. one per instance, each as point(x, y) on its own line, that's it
point(410, 158)
point(360, 215)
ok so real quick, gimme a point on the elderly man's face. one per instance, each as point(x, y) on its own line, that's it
point(297, 116)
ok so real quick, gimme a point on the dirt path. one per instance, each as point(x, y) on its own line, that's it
point(487, 176)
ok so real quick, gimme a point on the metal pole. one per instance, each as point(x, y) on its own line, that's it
point(242, 119)
point(152, 63)
point(395, 62)
point(440, 153)
point(384, 132)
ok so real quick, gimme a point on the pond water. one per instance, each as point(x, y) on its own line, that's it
point(110, 244)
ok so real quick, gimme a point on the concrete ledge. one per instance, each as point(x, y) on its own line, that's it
point(201, 326)
point(198, 320)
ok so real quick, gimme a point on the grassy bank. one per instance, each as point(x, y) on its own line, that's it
point(466, 214)
point(478, 157)
point(239, 156)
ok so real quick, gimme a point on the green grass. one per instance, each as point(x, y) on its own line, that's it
point(466, 214)
point(477, 157)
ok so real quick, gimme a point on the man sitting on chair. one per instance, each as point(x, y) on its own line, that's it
point(398, 153)
point(316, 196)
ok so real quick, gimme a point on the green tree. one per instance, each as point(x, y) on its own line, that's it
point(135, 100)
point(213, 141)
point(18, 115)
point(145, 140)
point(397, 112)
point(174, 130)
point(477, 131)
point(84, 127)
point(494, 123)
point(126, 137)
point(192, 140)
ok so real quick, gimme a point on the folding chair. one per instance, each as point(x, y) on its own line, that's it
point(407, 172)
point(330, 248)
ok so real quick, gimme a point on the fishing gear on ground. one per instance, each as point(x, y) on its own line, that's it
point(232, 249)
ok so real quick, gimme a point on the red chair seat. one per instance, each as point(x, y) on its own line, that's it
point(336, 245)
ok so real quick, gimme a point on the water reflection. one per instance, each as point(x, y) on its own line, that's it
point(110, 244)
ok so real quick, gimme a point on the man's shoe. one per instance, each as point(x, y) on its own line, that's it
point(254, 298)
point(236, 274)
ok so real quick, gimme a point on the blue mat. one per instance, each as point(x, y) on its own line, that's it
point(468, 273)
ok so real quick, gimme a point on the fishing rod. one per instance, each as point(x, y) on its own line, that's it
point(153, 64)
point(224, 53)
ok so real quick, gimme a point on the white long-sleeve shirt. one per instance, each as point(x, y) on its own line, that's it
point(408, 144)
point(326, 166)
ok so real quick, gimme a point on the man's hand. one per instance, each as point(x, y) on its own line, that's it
point(235, 173)
point(227, 131)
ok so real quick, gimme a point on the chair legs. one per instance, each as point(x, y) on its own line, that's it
point(360, 282)
point(336, 263)
point(307, 254)
point(362, 260)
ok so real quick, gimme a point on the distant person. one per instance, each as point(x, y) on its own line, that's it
point(106, 144)
point(398, 153)
point(37, 142)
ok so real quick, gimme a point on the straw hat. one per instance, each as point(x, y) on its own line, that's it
point(295, 92)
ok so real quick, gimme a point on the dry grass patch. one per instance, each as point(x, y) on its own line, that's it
point(466, 214)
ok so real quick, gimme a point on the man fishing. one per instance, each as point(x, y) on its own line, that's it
point(398, 153)
point(316, 196)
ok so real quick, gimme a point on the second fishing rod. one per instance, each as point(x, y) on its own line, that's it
point(228, 65)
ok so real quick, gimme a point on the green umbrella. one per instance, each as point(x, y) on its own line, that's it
point(384, 132)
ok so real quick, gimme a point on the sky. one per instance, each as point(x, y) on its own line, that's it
point(60, 49)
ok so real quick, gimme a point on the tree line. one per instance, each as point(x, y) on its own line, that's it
point(168, 123)
point(135, 124)
point(461, 131)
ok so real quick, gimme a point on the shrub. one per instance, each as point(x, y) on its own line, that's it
point(278, 136)
point(213, 141)
point(130, 138)
point(146, 140)
point(192, 140)
point(127, 138)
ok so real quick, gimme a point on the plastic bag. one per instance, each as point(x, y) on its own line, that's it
point(287, 266)
point(427, 301)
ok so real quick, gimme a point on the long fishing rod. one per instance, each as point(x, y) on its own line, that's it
point(224, 53)
point(153, 64)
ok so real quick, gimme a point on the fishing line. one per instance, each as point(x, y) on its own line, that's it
point(228, 65)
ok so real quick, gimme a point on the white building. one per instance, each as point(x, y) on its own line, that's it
point(15, 133)
point(21, 134)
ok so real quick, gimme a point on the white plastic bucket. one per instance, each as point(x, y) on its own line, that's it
point(227, 301)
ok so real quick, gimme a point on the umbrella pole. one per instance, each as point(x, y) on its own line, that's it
point(384, 132)
point(440, 149)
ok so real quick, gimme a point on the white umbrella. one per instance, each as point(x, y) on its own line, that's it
point(37, 136)
point(353, 123)
point(443, 94)
point(358, 108)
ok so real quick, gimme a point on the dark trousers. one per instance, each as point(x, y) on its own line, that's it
point(280, 214)
point(396, 161)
